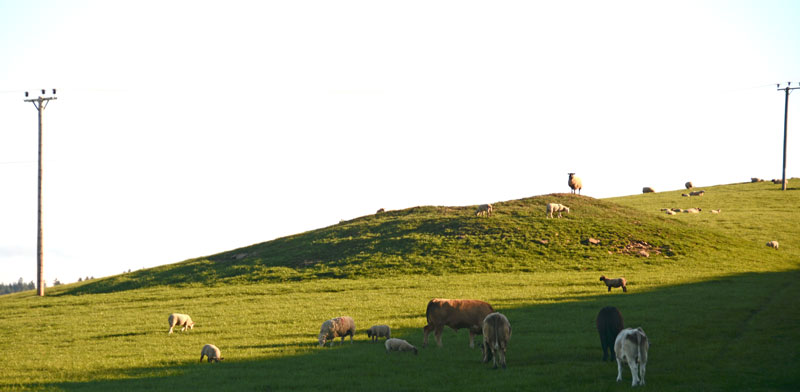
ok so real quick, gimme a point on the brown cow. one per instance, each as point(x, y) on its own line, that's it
point(456, 314)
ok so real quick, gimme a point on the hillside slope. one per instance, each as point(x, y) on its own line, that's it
point(518, 237)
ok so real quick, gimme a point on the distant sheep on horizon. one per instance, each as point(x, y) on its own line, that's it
point(484, 209)
point(575, 183)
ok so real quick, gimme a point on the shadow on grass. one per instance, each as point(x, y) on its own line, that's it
point(733, 333)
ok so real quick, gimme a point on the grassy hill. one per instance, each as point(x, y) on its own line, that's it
point(719, 306)
point(517, 238)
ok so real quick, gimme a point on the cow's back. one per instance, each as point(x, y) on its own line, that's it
point(457, 313)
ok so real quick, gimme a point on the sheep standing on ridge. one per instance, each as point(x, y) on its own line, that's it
point(484, 209)
point(212, 352)
point(180, 319)
point(555, 207)
point(379, 331)
point(380, 211)
point(394, 344)
point(618, 282)
point(574, 183)
point(647, 189)
point(756, 179)
point(336, 327)
point(773, 244)
point(689, 185)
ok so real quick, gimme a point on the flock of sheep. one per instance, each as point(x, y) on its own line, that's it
point(626, 345)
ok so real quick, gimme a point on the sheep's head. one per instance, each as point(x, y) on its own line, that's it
point(322, 339)
point(369, 333)
point(602, 277)
point(566, 209)
point(190, 325)
point(415, 351)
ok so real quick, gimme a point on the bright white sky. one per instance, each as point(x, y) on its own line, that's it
point(183, 129)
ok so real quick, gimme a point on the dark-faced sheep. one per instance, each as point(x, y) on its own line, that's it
point(609, 323)
point(689, 185)
point(574, 183)
point(337, 327)
point(618, 282)
point(648, 189)
point(496, 332)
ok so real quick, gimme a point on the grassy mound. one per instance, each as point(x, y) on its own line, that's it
point(518, 237)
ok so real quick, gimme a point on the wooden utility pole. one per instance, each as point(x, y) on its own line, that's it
point(40, 104)
point(787, 89)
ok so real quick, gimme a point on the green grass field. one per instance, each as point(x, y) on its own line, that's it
point(720, 308)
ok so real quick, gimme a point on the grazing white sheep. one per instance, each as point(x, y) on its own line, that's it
point(618, 282)
point(394, 344)
point(555, 207)
point(575, 183)
point(212, 352)
point(379, 331)
point(693, 210)
point(180, 319)
point(716, 211)
point(484, 209)
point(336, 327)
point(689, 185)
point(773, 244)
point(647, 189)
point(631, 346)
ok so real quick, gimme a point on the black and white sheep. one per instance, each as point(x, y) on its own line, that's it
point(555, 207)
point(689, 185)
point(212, 352)
point(394, 344)
point(575, 183)
point(773, 244)
point(618, 282)
point(180, 319)
point(379, 331)
point(337, 327)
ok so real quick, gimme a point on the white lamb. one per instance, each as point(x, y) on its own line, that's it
point(212, 352)
point(395, 344)
point(379, 331)
point(773, 244)
point(555, 207)
point(180, 319)
point(484, 209)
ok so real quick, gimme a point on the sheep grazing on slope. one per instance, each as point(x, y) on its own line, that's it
point(180, 319)
point(631, 346)
point(697, 193)
point(647, 189)
point(618, 282)
point(574, 183)
point(395, 344)
point(716, 211)
point(212, 352)
point(337, 327)
point(555, 207)
point(380, 211)
point(484, 209)
point(773, 244)
point(756, 179)
point(689, 185)
point(670, 212)
point(496, 332)
point(609, 323)
point(693, 210)
point(379, 331)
